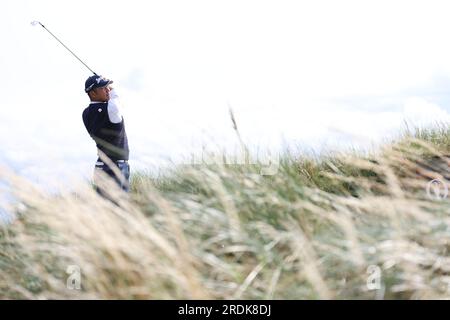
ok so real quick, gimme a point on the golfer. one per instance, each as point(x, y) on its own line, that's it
point(104, 123)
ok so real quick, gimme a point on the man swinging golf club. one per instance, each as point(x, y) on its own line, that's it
point(104, 122)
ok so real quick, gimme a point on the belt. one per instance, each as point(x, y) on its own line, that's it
point(100, 163)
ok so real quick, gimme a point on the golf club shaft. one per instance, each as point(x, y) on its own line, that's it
point(67, 48)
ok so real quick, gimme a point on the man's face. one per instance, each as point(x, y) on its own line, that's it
point(100, 94)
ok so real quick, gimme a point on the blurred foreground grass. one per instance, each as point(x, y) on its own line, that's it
point(344, 226)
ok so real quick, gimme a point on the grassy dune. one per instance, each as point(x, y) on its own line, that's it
point(343, 226)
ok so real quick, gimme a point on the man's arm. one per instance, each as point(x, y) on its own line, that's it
point(114, 107)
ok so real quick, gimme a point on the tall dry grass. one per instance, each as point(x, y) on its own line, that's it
point(314, 230)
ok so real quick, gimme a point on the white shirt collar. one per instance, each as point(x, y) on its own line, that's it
point(92, 102)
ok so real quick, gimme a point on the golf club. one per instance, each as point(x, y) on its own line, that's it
point(35, 23)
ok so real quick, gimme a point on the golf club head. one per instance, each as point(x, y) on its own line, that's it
point(35, 23)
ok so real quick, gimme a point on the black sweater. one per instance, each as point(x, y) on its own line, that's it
point(110, 137)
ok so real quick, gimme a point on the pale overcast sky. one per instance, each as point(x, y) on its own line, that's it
point(303, 72)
